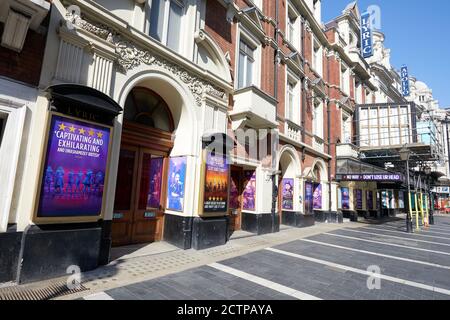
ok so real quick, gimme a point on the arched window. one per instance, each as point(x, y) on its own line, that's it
point(146, 107)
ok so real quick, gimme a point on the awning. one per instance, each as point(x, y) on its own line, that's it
point(354, 170)
point(85, 97)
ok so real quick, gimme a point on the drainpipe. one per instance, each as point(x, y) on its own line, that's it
point(329, 137)
point(275, 93)
point(304, 100)
point(275, 62)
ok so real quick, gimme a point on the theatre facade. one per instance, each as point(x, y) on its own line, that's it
point(140, 130)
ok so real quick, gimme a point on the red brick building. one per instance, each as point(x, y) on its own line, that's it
point(267, 75)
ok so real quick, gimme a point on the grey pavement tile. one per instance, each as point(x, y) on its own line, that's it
point(241, 296)
point(122, 294)
point(223, 291)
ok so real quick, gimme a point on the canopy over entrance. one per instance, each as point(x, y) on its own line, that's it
point(353, 170)
point(84, 102)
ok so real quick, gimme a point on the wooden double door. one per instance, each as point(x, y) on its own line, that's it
point(236, 198)
point(140, 196)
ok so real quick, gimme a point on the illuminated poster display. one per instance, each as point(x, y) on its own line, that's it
point(176, 183)
point(308, 197)
point(288, 194)
point(74, 169)
point(249, 195)
point(317, 197)
point(215, 197)
point(345, 198)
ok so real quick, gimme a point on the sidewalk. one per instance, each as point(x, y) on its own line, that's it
point(135, 264)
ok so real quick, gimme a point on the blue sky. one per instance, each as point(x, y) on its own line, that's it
point(417, 34)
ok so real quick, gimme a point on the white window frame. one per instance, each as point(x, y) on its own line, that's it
point(165, 31)
point(346, 118)
point(296, 41)
point(15, 111)
point(317, 60)
point(318, 127)
point(345, 79)
point(296, 109)
point(358, 91)
point(246, 36)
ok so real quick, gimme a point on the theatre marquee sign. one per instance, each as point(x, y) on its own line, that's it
point(371, 177)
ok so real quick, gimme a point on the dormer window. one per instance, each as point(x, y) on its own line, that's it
point(165, 22)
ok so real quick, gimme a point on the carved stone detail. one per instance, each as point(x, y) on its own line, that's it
point(130, 56)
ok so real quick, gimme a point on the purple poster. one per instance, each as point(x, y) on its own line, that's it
point(345, 199)
point(288, 194)
point(154, 194)
point(308, 197)
point(369, 200)
point(74, 170)
point(234, 195)
point(175, 185)
point(317, 197)
point(249, 195)
point(359, 199)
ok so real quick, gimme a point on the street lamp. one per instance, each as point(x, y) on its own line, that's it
point(427, 171)
point(404, 156)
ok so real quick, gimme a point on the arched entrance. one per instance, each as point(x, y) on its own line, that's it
point(288, 190)
point(316, 189)
point(143, 164)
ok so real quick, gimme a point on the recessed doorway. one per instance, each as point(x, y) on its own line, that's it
point(142, 173)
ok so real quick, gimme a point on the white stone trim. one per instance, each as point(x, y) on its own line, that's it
point(14, 100)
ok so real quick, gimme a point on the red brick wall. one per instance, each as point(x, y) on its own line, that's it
point(26, 65)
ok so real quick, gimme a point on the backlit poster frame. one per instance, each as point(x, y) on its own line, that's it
point(177, 167)
point(214, 165)
point(309, 190)
point(288, 194)
point(345, 198)
point(41, 217)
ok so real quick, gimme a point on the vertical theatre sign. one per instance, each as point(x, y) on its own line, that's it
point(366, 36)
point(405, 81)
point(75, 168)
